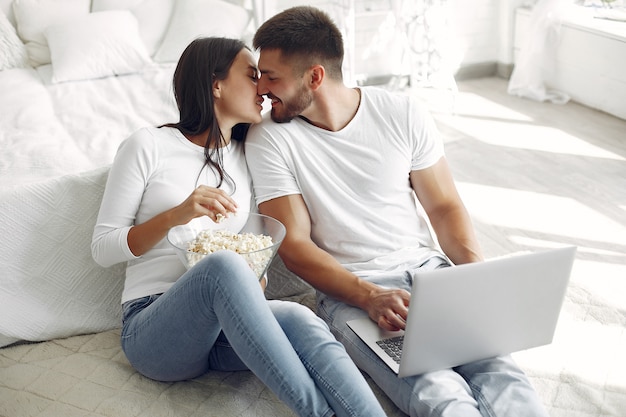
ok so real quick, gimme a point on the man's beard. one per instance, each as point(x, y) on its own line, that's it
point(294, 107)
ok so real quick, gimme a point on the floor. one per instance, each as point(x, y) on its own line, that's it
point(540, 175)
point(537, 175)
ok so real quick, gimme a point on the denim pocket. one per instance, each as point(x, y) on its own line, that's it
point(132, 307)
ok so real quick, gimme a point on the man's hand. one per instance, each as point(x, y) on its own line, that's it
point(389, 307)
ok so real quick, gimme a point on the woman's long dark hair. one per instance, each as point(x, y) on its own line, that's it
point(201, 63)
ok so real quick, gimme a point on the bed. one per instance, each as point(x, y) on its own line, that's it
point(76, 78)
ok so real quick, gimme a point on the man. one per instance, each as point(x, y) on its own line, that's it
point(356, 174)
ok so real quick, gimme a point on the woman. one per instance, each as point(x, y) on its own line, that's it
point(179, 324)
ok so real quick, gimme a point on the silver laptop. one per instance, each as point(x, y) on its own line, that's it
point(475, 311)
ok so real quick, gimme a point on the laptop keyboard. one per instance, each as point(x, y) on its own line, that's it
point(392, 346)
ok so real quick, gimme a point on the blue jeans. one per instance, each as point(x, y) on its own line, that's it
point(216, 317)
point(487, 388)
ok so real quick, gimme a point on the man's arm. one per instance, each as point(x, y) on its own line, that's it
point(387, 307)
point(436, 191)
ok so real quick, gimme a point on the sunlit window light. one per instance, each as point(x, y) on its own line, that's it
point(541, 213)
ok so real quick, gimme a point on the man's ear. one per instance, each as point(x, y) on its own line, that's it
point(317, 74)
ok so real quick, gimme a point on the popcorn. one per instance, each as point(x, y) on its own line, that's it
point(249, 245)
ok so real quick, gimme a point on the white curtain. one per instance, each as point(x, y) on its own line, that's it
point(537, 56)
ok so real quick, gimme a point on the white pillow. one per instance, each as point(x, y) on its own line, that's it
point(97, 45)
point(153, 17)
point(51, 287)
point(14, 53)
point(7, 8)
point(33, 16)
point(196, 18)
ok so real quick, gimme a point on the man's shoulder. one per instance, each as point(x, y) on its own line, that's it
point(268, 128)
point(379, 93)
point(392, 101)
point(265, 124)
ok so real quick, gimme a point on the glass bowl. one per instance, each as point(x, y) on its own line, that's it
point(248, 226)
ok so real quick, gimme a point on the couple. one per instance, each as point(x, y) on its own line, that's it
point(340, 168)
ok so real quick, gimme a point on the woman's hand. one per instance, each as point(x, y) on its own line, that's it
point(205, 201)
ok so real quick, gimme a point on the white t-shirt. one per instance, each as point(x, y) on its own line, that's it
point(156, 169)
point(355, 182)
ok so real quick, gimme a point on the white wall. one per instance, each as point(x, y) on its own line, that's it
point(588, 64)
point(481, 43)
point(480, 31)
point(484, 30)
point(475, 30)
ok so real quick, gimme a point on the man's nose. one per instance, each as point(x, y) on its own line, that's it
point(261, 88)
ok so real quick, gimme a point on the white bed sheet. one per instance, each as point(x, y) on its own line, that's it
point(49, 130)
point(36, 145)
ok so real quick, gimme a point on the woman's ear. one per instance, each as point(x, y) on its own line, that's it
point(217, 88)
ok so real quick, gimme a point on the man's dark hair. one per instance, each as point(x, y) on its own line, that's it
point(305, 36)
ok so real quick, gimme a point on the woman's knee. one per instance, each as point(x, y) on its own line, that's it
point(222, 272)
point(224, 264)
point(226, 259)
point(292, 315)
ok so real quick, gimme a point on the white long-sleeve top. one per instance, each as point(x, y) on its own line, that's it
point(154, 170)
